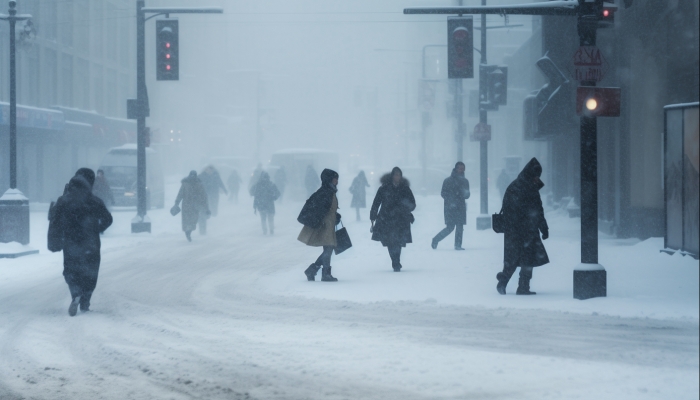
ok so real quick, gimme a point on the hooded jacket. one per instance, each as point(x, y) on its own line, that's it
point(194, 201)
point(391, 211)
point(455, 192)
point(524, 219)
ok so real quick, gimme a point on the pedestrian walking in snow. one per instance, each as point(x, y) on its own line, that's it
point(391, 215)
point(455, 192)
point(523, 221)
point(77, 220)
point(211, 181)
point(102, 189)
point(281, 180)
point(265, 193)
point(311, 180)
point(359, 195)
point(194, 203)
point(234, 185)
point(319, 217)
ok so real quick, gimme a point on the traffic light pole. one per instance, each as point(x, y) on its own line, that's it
point(459, 137)
point(141, 223)
point(483, 221)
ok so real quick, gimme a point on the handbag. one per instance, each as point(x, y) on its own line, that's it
point(498, 222)
point(175, 210)
point(342, 240)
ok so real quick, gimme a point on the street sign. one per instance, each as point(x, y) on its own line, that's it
point(589, 64)
point(482, 132)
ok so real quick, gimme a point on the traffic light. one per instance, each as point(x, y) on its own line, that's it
point(548, 112)
point(594, 101)
point(498, 86)
point(167, 50)
point(460, 47)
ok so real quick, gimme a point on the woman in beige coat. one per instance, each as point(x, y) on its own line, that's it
point(320, 217)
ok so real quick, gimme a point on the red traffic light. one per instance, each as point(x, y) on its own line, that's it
point(594, 101)
point(167, 45)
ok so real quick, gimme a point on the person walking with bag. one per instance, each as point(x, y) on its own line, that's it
point(359, 194)
point(523, 220)
point(391, 210)
point(194, 201)
point(76, 222)
point(265, 193)
point(319, 217)
point(455, 191)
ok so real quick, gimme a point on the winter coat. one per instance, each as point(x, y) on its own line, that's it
point(359, 195)
point(524, 219)
point(320, 214)
point(455, 191)
point(102, 190)
point(76, 222)
point(265, 193)
point(391, 212)
point(311, 180)
point(194, 201)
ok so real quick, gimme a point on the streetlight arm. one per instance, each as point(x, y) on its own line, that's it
point(183, 10)
point(18, 17)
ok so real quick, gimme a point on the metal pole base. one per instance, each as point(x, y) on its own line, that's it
point(590, 280)
point(140, 224)
point(14, 217)
point(483, 222)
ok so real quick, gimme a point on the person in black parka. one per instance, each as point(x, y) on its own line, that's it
point(319, 217)
point(391, 210)
point(265, 193)
point(194, 203)
point(524, 220)
point(455, 191)
point(77, 220)
point(359, 195)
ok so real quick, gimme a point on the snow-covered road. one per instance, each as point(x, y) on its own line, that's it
point(230, 316)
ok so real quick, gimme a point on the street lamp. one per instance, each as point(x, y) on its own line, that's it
point(14, 206)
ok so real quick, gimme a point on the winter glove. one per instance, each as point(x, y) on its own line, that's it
point(337, 218)
point(545, 235)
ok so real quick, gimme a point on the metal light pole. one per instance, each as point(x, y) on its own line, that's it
point(141, 222)
point(14, 206)
point(483, 221)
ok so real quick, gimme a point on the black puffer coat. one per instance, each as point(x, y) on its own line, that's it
point(455, 191)
point(391, 212)
point(76, 222)
point(265, 193)
point(317, 206)
point(524, 219)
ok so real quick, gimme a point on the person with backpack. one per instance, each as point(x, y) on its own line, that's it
point(75, 223)
point(319, 217)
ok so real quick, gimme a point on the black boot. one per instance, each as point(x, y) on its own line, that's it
point(524, 286)
point(311, 272)
point(326, 275)
point(73, 308)
point(397, 266)
point(188, 234)
point(502, 282)
point(434, 244)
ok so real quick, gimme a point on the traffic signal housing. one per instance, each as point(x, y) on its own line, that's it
point(167, 50)
point(594, 101)
point(547, 112)
point(460, 47)
point(498, 86)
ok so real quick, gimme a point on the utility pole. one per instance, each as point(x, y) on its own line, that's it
point(14, 206)
point(483, 221)
point(139, 108)
point(459, 135)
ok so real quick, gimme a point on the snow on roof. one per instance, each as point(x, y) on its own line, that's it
point(13, 195)
point(304, 151)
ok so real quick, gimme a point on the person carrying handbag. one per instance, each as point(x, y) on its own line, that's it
point(319, 217)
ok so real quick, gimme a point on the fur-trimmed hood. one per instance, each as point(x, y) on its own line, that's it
point(386, 180)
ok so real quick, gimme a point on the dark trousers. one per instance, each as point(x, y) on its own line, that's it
point(267, 219)
point(325, 258)
point(525, 272)
point(81, 281)
point(395, 254)
point(448, 229)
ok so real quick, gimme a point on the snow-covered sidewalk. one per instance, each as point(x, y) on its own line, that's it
point(231, 316)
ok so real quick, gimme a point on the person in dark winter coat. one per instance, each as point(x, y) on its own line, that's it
point(77, 220)
point(265, 193)
point(391, 214)
point(194, 203)
point(281, 180)
point(311, 180)
point(359, 195)
point(102, 189)
point(319, 217)
point(211, 180)
point(455, 192)
point(524, 220)
point(234, 185)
